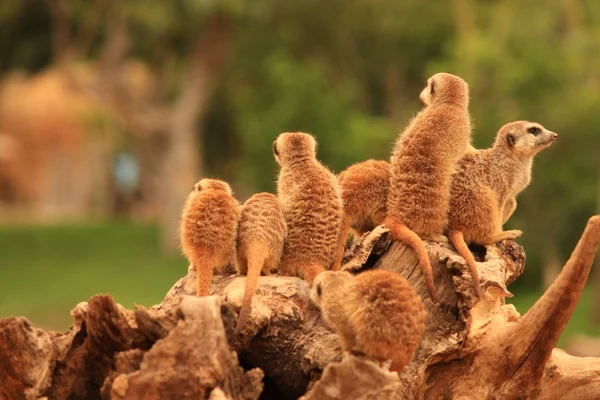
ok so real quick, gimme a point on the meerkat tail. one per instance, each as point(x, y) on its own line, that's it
point(404, 234)
point(458, 241)
point(256, 258)
point(310, 272)
point(204, 271)
point(337, 263)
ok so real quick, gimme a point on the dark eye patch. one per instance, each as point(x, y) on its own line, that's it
point(534, 130)
point(275, 151)
point(319, 289)
point(432, 91)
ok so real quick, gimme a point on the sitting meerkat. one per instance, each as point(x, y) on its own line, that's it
point(311, 200)
point(261, 233)
point(208, 229)
point(422, 163)
point(364, 194)
point(486, 183)
point(377, 313)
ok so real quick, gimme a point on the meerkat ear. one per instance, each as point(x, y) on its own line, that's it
point(316, 147)
point(432, 87)
point(275, 151)
point(511, 139)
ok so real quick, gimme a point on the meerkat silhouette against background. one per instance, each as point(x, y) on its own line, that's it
point(422, 163)
point(312, 205)
point(377, 313)
point(261, 233)
point(364, 193)
point(486, 184)
point(208, 229)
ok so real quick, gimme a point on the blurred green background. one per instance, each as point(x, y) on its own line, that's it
point(111, 110)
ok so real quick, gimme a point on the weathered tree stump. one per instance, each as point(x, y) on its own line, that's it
point(185, 347)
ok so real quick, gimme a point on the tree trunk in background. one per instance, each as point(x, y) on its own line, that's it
point(183, 163)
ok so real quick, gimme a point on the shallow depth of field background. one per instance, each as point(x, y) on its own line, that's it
point(110, 111)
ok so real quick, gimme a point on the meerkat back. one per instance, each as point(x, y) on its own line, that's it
point(422, 162)
point(364, 193)
point(208, 229)
point(261, 234)
point(312, 206)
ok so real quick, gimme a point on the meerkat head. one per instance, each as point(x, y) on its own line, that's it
point(445, 88)
point(325, 282)
point(525, 138)
point(294, 146)
point(212, 184)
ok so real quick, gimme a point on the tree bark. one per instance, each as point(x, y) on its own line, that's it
point(185, 347)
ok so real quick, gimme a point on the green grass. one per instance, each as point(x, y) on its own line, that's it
point(46, 271)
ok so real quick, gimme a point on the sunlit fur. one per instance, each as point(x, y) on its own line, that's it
point(377, 313)
point(364, 193)
point(261, 233)
point(312, 205)
point(486, 184)
point(422, 162)
point(208, 229)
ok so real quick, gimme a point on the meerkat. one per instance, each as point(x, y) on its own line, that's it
point(377, 313)
point(312, 206)
point(208, 229)
point(364, 193)
point(486, 184)
point(261, 233)
point(422, 162)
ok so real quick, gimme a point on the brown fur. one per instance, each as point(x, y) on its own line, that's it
point(208, 229)
point(377, 313)
point(312, 205)
point(422, 163)
point(364, 193)
point(486, 184)
point(261, 233)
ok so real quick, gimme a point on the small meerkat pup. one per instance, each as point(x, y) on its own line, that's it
point(312, 205)
point(364, 194)
point(486, 183)
point(208, 229)
point(422, 162)
point(261, 233)
point(376, 312)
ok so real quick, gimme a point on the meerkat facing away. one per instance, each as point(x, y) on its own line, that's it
point(208, 229)
point(376, 312)
point(486, 183)
point(312, 205)
point(422, 163)
point(261, 233)
point(364, 193)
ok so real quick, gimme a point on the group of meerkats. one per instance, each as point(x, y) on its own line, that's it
point(436, 187)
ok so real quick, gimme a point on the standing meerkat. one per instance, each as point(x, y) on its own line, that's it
point(422, 162)
point(486, 183)
point(208, 229)
point(261, 233)
point(364, 193)
point(376, 312)
point(312, 206)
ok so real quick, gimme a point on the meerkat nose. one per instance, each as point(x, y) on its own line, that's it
point(554, 136)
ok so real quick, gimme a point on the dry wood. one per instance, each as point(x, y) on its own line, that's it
point(185, 347)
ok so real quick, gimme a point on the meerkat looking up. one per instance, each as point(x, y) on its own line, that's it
point(486, 183)
point(261, 233)
point(364, 193)
point(376, 312)
point(422, 163)
point(208, 229)
point(312, 206)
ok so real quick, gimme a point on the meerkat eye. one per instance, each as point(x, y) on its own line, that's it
point(432, 85)
point(198, 187)
point(534, 130)
point(319, 289)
